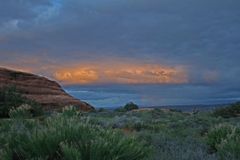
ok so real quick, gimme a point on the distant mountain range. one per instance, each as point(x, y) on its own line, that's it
point(187, 108)
point(200, 107)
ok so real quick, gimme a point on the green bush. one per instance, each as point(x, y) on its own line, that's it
point(10, 98)
point(65, 138)
point(227, 112)
point(225, 140)
point(130, 106)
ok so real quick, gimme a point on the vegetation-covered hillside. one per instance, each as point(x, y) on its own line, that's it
point(157, 134)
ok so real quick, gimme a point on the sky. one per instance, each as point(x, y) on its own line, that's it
point(108, 52)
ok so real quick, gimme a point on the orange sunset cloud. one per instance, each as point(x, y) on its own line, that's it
point(122, 74)
point(77, 76)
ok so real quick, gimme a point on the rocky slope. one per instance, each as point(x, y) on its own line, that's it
point(40, 89)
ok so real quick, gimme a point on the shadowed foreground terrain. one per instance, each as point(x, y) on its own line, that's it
point(127, 133)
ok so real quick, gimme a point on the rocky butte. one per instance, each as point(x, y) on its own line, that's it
point(46, 92)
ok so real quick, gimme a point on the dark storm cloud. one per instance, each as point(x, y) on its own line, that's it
point(142, 28)
point(201, 35)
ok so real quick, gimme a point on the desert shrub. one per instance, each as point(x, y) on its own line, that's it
point(227, 112)
point(68, 138)
point(225, 140)
point(23, 111)
point(70, 111)
point(120, 109)
point(230, 148)
point(126, 122)
point(175, 110)
point(101, 110)
point(10, 98)
point(172, 148)
point(217, 135)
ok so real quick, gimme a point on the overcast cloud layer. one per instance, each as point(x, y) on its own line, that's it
point(201, 36)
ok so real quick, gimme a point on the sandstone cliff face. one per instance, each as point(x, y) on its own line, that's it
point(46, 92)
